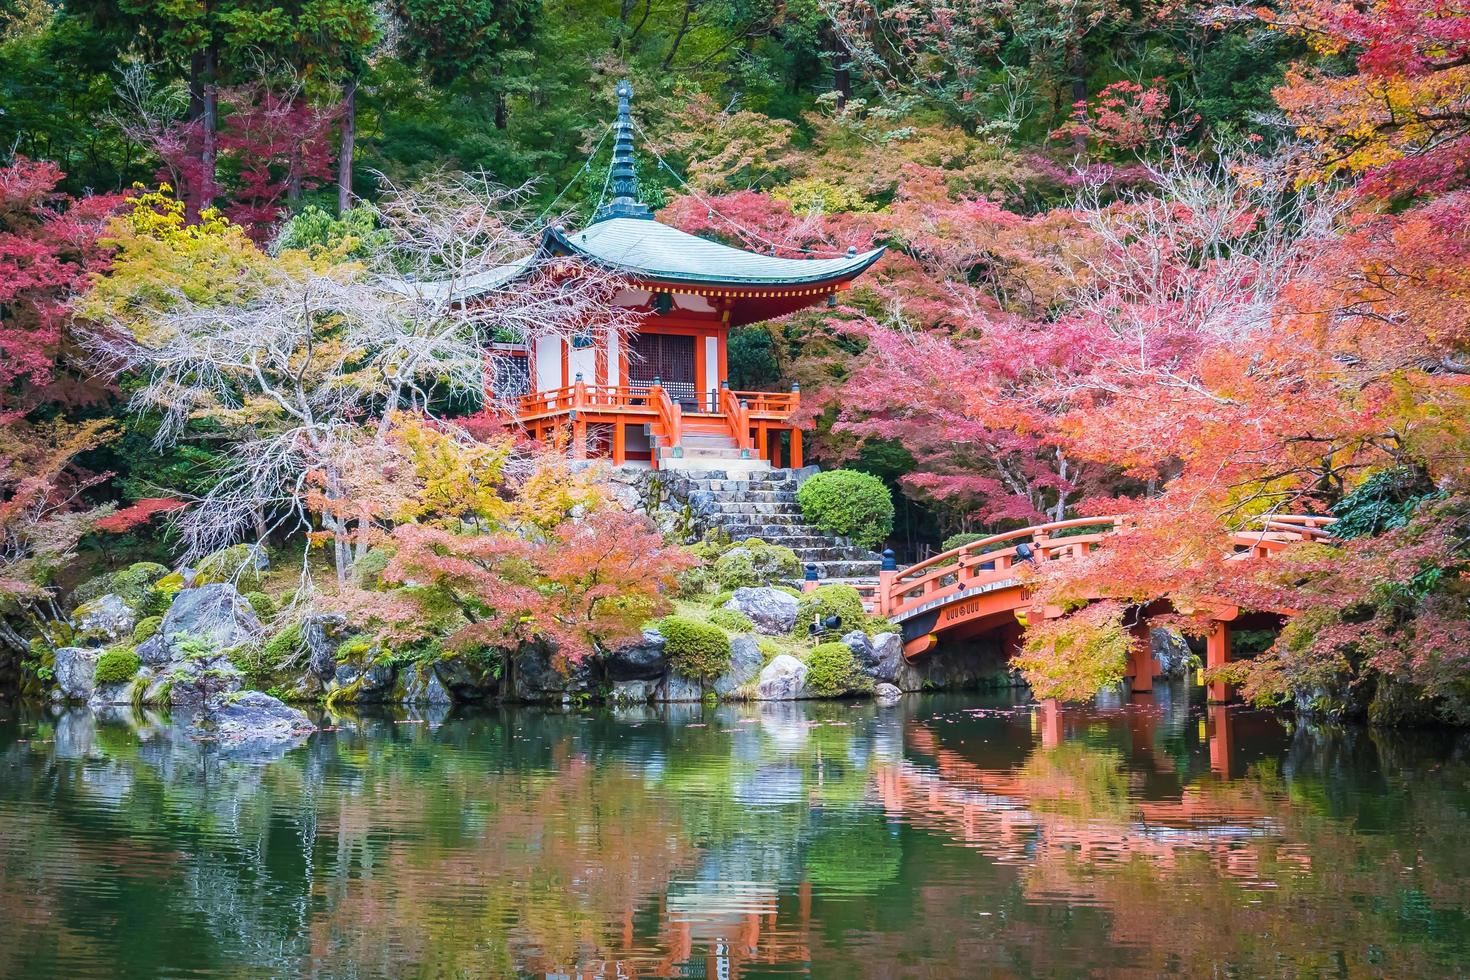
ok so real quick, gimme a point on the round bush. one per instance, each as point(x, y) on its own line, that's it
point(146, 629)
point(117, 665)
point(755, 563)
point(695, 649)
point(832, 670)
point(264, 605)
point(731, 619)
point(956, 540)
point(855, 505)
point(842, 601)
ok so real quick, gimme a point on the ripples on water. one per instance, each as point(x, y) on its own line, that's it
point(948, 837)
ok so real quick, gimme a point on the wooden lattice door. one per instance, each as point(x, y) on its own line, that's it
point(670, 359)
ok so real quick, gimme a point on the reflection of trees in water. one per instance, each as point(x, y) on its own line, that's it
point(538, 842)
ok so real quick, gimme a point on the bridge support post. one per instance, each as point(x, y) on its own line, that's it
point(1052, 729)
point(1141, 663)
point(1218, 724)
point(1217, 654)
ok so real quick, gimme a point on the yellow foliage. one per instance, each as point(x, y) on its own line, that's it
point(457, 478)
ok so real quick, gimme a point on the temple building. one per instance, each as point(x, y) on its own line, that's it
point(661, 394)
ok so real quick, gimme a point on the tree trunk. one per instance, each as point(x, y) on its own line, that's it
point(501, 111)
point(1077, 66)
point(210, 118)
point(349, 143)
point(679, 37)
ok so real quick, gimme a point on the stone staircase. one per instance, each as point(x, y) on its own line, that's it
point(762, 504)
point(708, 446)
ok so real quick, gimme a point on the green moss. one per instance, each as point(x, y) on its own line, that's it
point(842, 601)
point(130, 583)
point(264, 605)
point(226, 564)
point(731, 619)
point(117, 665)
point(695, 649)
point(370, 569)
point(146, 629)
point(832, 671)
point(849, 503)
point(755, 563)
point(284, 645)
point(355, 649)
point(155, 602)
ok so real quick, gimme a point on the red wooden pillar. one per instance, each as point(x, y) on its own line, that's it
point(795, 462)
point(1222, 739)
point(760, 441)
point(1217, 654)
point(1141, 663)
point(619, 446)
point(1052, 729)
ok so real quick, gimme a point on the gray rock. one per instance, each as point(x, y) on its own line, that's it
point(467, 681)
point(1171, 652)
point(346, 675)
point(251, 720)
point(745, 666)
point(422, 686)
point(886, 695)
point(377, 682)
point(641, 661)
point(154, 651)
point(771, 610)
point(192, 683)
point(121, 692)
point(677, 687)
point(864, 654)
point(323, 633)
point(783, 679)
point(887, 656)
point(75, 670)
point(215, 613)
point(632, 692)
point(107, 618)
point(537, 677)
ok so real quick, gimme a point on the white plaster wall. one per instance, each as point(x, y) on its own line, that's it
point(712, 363)
point(614, 353)
point(584, 362)
point(548, 363)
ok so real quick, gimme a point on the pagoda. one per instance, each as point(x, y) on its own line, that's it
point(660, 395)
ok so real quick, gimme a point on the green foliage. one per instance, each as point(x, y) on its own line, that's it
point(833, 671)
point(194, 647)
point(1384, 501)
point(754, 563)
point(350, 235)
point(227, 564)
point(264, 605)
point(959, 540)
point(146, 629)
point(284, 645)
point(752, 359)
point(842, 601)
point(855, 505)
point(131, 584)
point(155, 602)
point(697, 650)
point(116, 665)
point(731, 619)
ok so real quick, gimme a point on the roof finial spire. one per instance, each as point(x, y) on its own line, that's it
point(624, 178)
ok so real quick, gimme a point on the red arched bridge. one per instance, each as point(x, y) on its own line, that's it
point(979, 589)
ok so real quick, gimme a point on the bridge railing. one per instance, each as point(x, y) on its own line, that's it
point(988, 559)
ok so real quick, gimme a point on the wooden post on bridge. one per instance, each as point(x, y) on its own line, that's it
point(1221, 738)
point(1217, 654)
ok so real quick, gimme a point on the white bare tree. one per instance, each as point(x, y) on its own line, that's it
point(318, 359)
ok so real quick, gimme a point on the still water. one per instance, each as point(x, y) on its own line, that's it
point(948, 837)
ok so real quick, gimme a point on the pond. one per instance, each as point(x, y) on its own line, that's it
point(949, 836)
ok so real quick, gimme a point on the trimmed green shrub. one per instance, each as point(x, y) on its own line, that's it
point(842, 601)
point(855, 505)
point(695, 649)
point(957, 540)
point(754, 563)
point(118, 664)
point(146, 629)
point(832, 670)
point(155, 602)
point(731, 619)
point(264, 605)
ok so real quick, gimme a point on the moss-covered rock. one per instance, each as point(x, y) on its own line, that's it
point(732, 620)
point(828, 601)
point(696, 650)
point(754, 563)
point(146, 629)
point(117, 665)
point(130, 583)
point(833, 670)
point(264, 605)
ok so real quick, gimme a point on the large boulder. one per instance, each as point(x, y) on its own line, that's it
point(216, 614)
point(887, 657)
point(322, 634)
point(1171, 652)
point(886, 695)
point(643, 660)
point(250, 720)
point(468, 680)
point(538, 675)
point(154, 651)
point(632, 692)
point(745, 666)
point(773, 611)
point(106, 619)
point(783, 679)
point(677, 687)
point(420, 685)
point(75, 670)
point(195, 682)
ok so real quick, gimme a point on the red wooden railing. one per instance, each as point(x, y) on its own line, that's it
point(782, 404)
point(992, 559)
point(737, 418)
point(670, 416)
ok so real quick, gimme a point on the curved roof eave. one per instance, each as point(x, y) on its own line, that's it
point(650, 250)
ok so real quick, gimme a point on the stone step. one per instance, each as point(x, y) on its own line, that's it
point(821, 555)
point(741, 486)
point(733, 513)
point(721, 469)
point(827, 570)
point(738, 497)
point(768, 525)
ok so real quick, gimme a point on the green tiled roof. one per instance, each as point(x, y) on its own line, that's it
point(648, 249)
